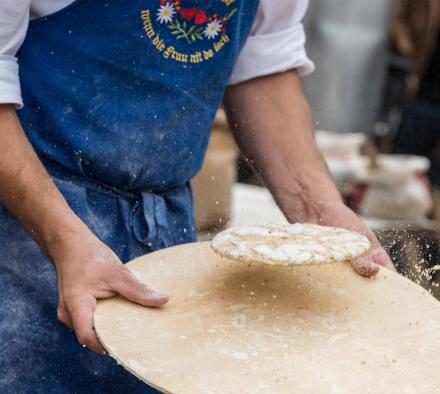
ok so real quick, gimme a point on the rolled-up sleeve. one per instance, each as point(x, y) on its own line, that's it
point(276, 42)
point(10, 92)
point(14, 20)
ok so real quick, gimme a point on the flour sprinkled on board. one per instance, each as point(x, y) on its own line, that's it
point(290, 244)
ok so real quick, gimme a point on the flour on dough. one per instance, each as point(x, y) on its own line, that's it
point(290, 244)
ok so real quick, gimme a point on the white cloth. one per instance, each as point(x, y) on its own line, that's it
point(276, 42)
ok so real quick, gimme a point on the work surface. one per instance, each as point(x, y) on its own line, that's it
point(231, 327)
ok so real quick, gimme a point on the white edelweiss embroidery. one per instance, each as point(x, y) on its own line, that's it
point(212, 29)
point(166, 13)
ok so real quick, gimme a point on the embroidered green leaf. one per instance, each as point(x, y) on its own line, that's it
point(231, 14)
point(183, 31)
point(198, 35)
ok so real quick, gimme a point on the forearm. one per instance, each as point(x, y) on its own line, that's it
point(273, 126)
point(27, 190)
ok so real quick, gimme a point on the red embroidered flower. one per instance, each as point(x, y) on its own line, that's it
point(188, 13)
point(201, 18)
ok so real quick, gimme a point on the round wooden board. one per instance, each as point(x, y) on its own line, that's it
point(252, 328)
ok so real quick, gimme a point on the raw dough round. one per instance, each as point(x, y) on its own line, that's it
point(239, 328)
point(290, 244)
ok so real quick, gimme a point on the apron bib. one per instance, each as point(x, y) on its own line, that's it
point(121, 95)
point(119, 98)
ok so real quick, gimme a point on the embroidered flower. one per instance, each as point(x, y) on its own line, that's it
point(165, 13)
point(212, 29)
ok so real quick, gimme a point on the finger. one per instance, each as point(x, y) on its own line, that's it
point(378, 254)
point(128, 286)
point(81, 312)
point(381, 257)
point(64, 317)
point(364, 265)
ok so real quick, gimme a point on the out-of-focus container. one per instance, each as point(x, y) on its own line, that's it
point(337, 146)
point(212, 186)
point(397, 189)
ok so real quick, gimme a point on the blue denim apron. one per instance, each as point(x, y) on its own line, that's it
point(119, 97)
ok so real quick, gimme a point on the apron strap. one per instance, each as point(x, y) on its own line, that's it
point(157, 219)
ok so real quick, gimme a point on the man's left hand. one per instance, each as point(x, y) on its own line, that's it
point(339, 215)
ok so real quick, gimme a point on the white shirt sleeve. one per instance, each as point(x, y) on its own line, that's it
point(14, 21)
point(276, 42)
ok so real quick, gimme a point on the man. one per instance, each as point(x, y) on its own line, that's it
point(118, 100)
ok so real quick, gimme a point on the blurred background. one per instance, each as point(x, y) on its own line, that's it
point(375, 98)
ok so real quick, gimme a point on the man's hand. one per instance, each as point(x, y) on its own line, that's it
point(271, 121)
point(87, 270)
point(339, 215)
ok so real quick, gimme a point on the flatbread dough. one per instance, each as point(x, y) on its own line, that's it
point(239, 328)
point(290, 244)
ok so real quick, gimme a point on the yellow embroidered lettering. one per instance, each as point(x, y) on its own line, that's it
point(181, 57)
point(171, 53)
point(158, 43)
point(168, 52)
point(224, 39)
point(148, 26)
point(208, 54)
point(196, 58)
point(189, 33)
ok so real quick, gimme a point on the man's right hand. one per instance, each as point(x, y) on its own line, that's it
point(87, 270)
